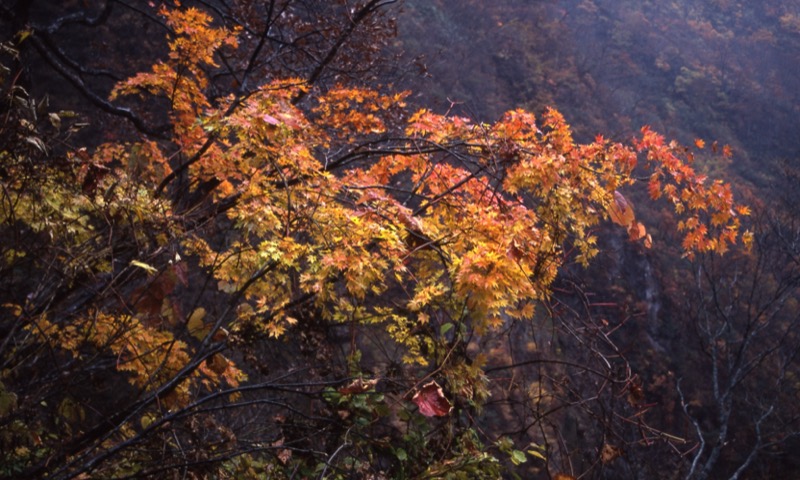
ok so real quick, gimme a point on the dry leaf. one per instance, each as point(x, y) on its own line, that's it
point(217, 364)
point(358, 386)
point(610, 453)
point(621, 211)
point(431, 400)
point(220, 335)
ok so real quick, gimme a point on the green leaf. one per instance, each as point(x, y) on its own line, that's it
point(446, 328)
point(518, 457)
point(401, 454)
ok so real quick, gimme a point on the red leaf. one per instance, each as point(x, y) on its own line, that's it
point(431, 401)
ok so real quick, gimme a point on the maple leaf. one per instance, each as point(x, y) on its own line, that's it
point(727, 151)
point(431, 400)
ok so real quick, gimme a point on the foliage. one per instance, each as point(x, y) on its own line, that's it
point(144, 280)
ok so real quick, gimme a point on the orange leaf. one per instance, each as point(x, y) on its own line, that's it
point(727, 151)
point(621, 211)
point(743, 210)
point(636, 231)
point(699, 143)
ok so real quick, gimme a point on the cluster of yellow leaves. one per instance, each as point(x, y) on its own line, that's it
point(151, 356)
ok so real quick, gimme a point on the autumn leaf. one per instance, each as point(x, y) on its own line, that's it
point(563, 476)
point(727, 151)
point(609, 453)
point(621, 211)
point(431, 400)
point(358, 385)
point(144, 266)
point(635, 392)
point(217, 364)
point(196, 326)
point(700, 143)
point(636, 231)
point(220, 335)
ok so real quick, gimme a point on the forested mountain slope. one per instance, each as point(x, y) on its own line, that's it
point(718, 70)
point(725, 72)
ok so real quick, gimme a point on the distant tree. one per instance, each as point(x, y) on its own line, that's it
point(743, 310)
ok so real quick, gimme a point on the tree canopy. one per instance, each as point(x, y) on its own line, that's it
point(296, 279)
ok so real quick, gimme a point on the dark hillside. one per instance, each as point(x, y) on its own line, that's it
point(724, 71)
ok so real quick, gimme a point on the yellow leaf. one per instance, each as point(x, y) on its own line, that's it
point(197, 328)
point(16, 310)
point(147, 419)
point(144, 266)
point(538, 455)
